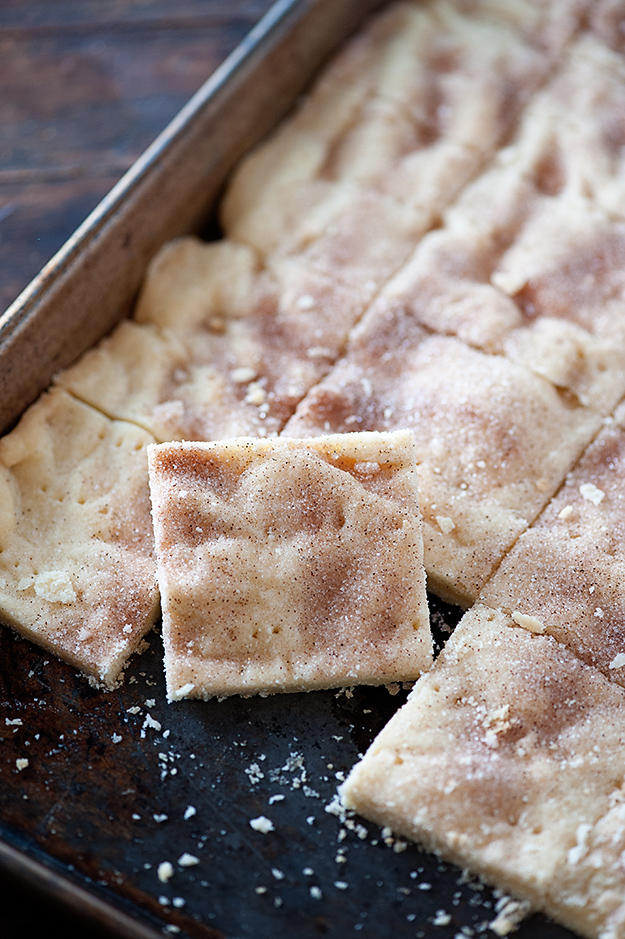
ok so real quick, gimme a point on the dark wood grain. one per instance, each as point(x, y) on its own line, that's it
point(85, 87)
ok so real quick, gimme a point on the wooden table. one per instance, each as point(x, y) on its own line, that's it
point(85, 86)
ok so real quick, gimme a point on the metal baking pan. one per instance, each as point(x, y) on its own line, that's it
point(171, 190)
point(133, 815)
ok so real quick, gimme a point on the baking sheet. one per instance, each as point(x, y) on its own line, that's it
point(133, 813)
point(118, 784)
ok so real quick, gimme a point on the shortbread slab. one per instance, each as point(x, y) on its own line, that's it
point(409, 110)
point(565, 576)
point(528, 261)
point(219, 348)
point(289, 565)
point(493, 440)
point(77, 564)
point(507, 760)
point(528, 271)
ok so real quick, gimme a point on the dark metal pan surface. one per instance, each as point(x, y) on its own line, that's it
point(143, 810)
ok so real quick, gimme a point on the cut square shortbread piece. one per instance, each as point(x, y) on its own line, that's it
point(364, 244)
point(493, 439)
point(507, 759)
point(288, 565)
point(288, 189)
point(77, 566)
point(565, 576)
point(131, 375)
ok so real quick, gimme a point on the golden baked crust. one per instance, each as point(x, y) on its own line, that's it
point(507, 759)
point(289, 565)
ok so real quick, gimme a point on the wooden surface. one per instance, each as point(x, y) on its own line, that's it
point(85, 86)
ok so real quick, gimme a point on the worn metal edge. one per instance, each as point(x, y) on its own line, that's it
point(70, 897)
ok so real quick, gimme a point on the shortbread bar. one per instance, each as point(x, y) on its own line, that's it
point(565, 575)
point(289, 565)
point(507, 760)
point(77, 565)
